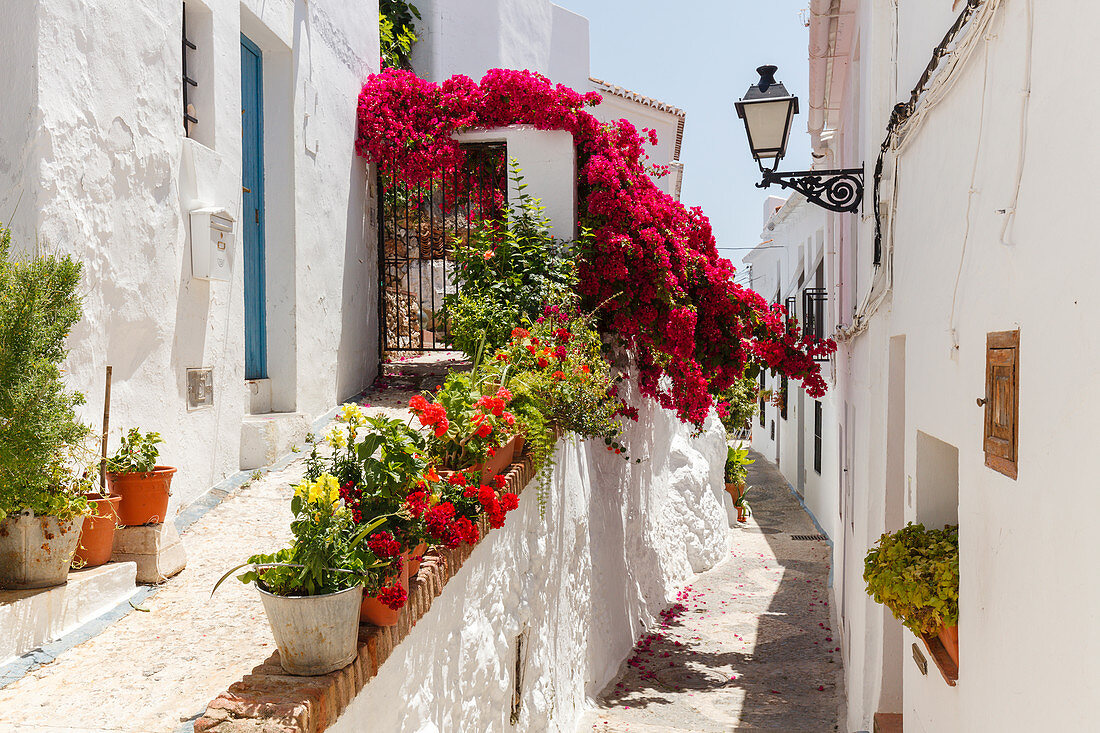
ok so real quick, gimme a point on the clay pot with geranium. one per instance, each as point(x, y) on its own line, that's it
point(312, 590)
point(915, 573)
point(470, 425)
point(143, 486)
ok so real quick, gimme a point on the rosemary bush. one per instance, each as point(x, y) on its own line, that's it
point(39, 429)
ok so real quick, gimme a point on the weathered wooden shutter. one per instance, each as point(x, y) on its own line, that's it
point(1002, 382)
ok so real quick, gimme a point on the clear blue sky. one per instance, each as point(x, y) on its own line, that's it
point(701, 56)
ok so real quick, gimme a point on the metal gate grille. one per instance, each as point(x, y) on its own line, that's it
point(418, 229)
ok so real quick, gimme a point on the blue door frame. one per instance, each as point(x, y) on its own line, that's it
point(252, 211)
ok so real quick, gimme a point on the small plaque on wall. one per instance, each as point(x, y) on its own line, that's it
point(200, 388)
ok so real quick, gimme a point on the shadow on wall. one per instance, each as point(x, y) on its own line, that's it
point(357, 354)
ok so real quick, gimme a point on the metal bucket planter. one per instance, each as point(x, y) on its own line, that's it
point(35, 552)
point(315, 634)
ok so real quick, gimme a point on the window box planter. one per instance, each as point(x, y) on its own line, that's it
point(944, 650)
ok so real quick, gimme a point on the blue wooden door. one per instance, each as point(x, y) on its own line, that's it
point(252, 211)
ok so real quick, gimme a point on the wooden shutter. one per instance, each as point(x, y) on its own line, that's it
point(1002, 382)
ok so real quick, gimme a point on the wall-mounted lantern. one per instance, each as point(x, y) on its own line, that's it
point(768, 110)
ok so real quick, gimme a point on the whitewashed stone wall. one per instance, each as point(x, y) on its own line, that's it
point(92, 163)
point(582, 581)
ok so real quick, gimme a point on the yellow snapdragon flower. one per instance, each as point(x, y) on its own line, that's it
point(353, 415)
point(337, 438)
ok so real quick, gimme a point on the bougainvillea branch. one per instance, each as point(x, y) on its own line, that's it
point(652, 262)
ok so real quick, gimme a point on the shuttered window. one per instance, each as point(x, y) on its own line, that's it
point(1002, 382)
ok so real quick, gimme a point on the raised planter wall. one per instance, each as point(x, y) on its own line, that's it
point(579, 583)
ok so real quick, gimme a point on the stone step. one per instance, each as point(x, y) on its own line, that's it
point(31, 618)
point(264, 438)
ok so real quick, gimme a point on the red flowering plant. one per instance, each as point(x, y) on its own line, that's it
point(670, 299)
point(376, 462)
point(450, 503)
point(467, 418)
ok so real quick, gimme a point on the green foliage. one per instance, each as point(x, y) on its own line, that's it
point(737, 406)
point(137, 454)
point(915, 573)
point(539, 436)
point(39, 429)
point(479, 322)
point(508, 270)
point(737, 461)
point(396, 32)
point(329, 552)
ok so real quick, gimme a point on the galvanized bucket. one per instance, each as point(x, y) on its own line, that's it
point(315, 634)
point(35, 552)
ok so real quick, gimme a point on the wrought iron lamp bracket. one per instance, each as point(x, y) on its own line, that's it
point(835, 190)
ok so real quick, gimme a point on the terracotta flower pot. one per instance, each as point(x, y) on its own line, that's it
point(949, 637)
point(144, 495)
point(412, 561)
point(499, 462)
point(521, 441)
point(373, 611)
point(97, 536)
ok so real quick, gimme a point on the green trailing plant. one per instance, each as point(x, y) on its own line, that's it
point(396, 33)
point(137, 453)
point(741, 502)
point(40, 434)
point(915, 573)
point(737, 463)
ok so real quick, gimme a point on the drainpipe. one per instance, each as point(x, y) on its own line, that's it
point(823, 22)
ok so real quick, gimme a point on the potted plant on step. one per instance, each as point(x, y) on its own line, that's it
point(97, 533)
point(41, 503)
point(312, 590)
point(915, 573)
point(737, 472)
point(134, 476)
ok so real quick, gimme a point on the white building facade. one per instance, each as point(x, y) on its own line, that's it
point(791, 267)
point(97, 161)
point(954, 311)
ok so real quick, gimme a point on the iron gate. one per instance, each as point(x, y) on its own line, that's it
point(419, 226)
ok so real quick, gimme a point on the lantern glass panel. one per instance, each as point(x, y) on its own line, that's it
point(768, 124)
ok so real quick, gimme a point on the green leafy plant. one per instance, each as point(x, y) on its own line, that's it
point(741, 502)
point(40, 434)
point(137, 453)
point(508, 270)
point(737, 462)
point(915, 573)
point(329, 552)
point(397, 32)
point(737, 405)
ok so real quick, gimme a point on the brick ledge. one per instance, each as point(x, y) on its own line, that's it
point(268, 700)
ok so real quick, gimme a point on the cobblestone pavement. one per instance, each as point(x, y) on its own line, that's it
point(157, 668)
point(748, 645)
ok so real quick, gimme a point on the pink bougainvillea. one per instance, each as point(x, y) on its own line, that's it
point(653, 263)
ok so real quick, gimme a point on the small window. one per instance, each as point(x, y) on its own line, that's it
point(197, 72)
point(773, 429)
point(1002, 409)
point(189, 111)
point(817, 436)
point(783, 398)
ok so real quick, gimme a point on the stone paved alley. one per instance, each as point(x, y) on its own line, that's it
point(749, 644)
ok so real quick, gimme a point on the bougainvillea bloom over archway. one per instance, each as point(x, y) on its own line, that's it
point(653, 264)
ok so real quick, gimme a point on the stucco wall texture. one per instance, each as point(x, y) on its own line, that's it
point(94, 153)
point(580, 583)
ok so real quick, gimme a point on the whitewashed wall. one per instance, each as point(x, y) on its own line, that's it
point(584, 581)
point(1026, 545)
point(93, 151)
point(472, 36)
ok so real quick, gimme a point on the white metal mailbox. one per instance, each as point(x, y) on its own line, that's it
point(213, 233)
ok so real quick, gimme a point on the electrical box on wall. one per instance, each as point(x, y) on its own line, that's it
point(213, 233)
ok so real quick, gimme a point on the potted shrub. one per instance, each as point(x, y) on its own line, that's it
point(312, 590)
point(915, 573)
point(736, 473)
point(134, 476)
point(40, 491)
